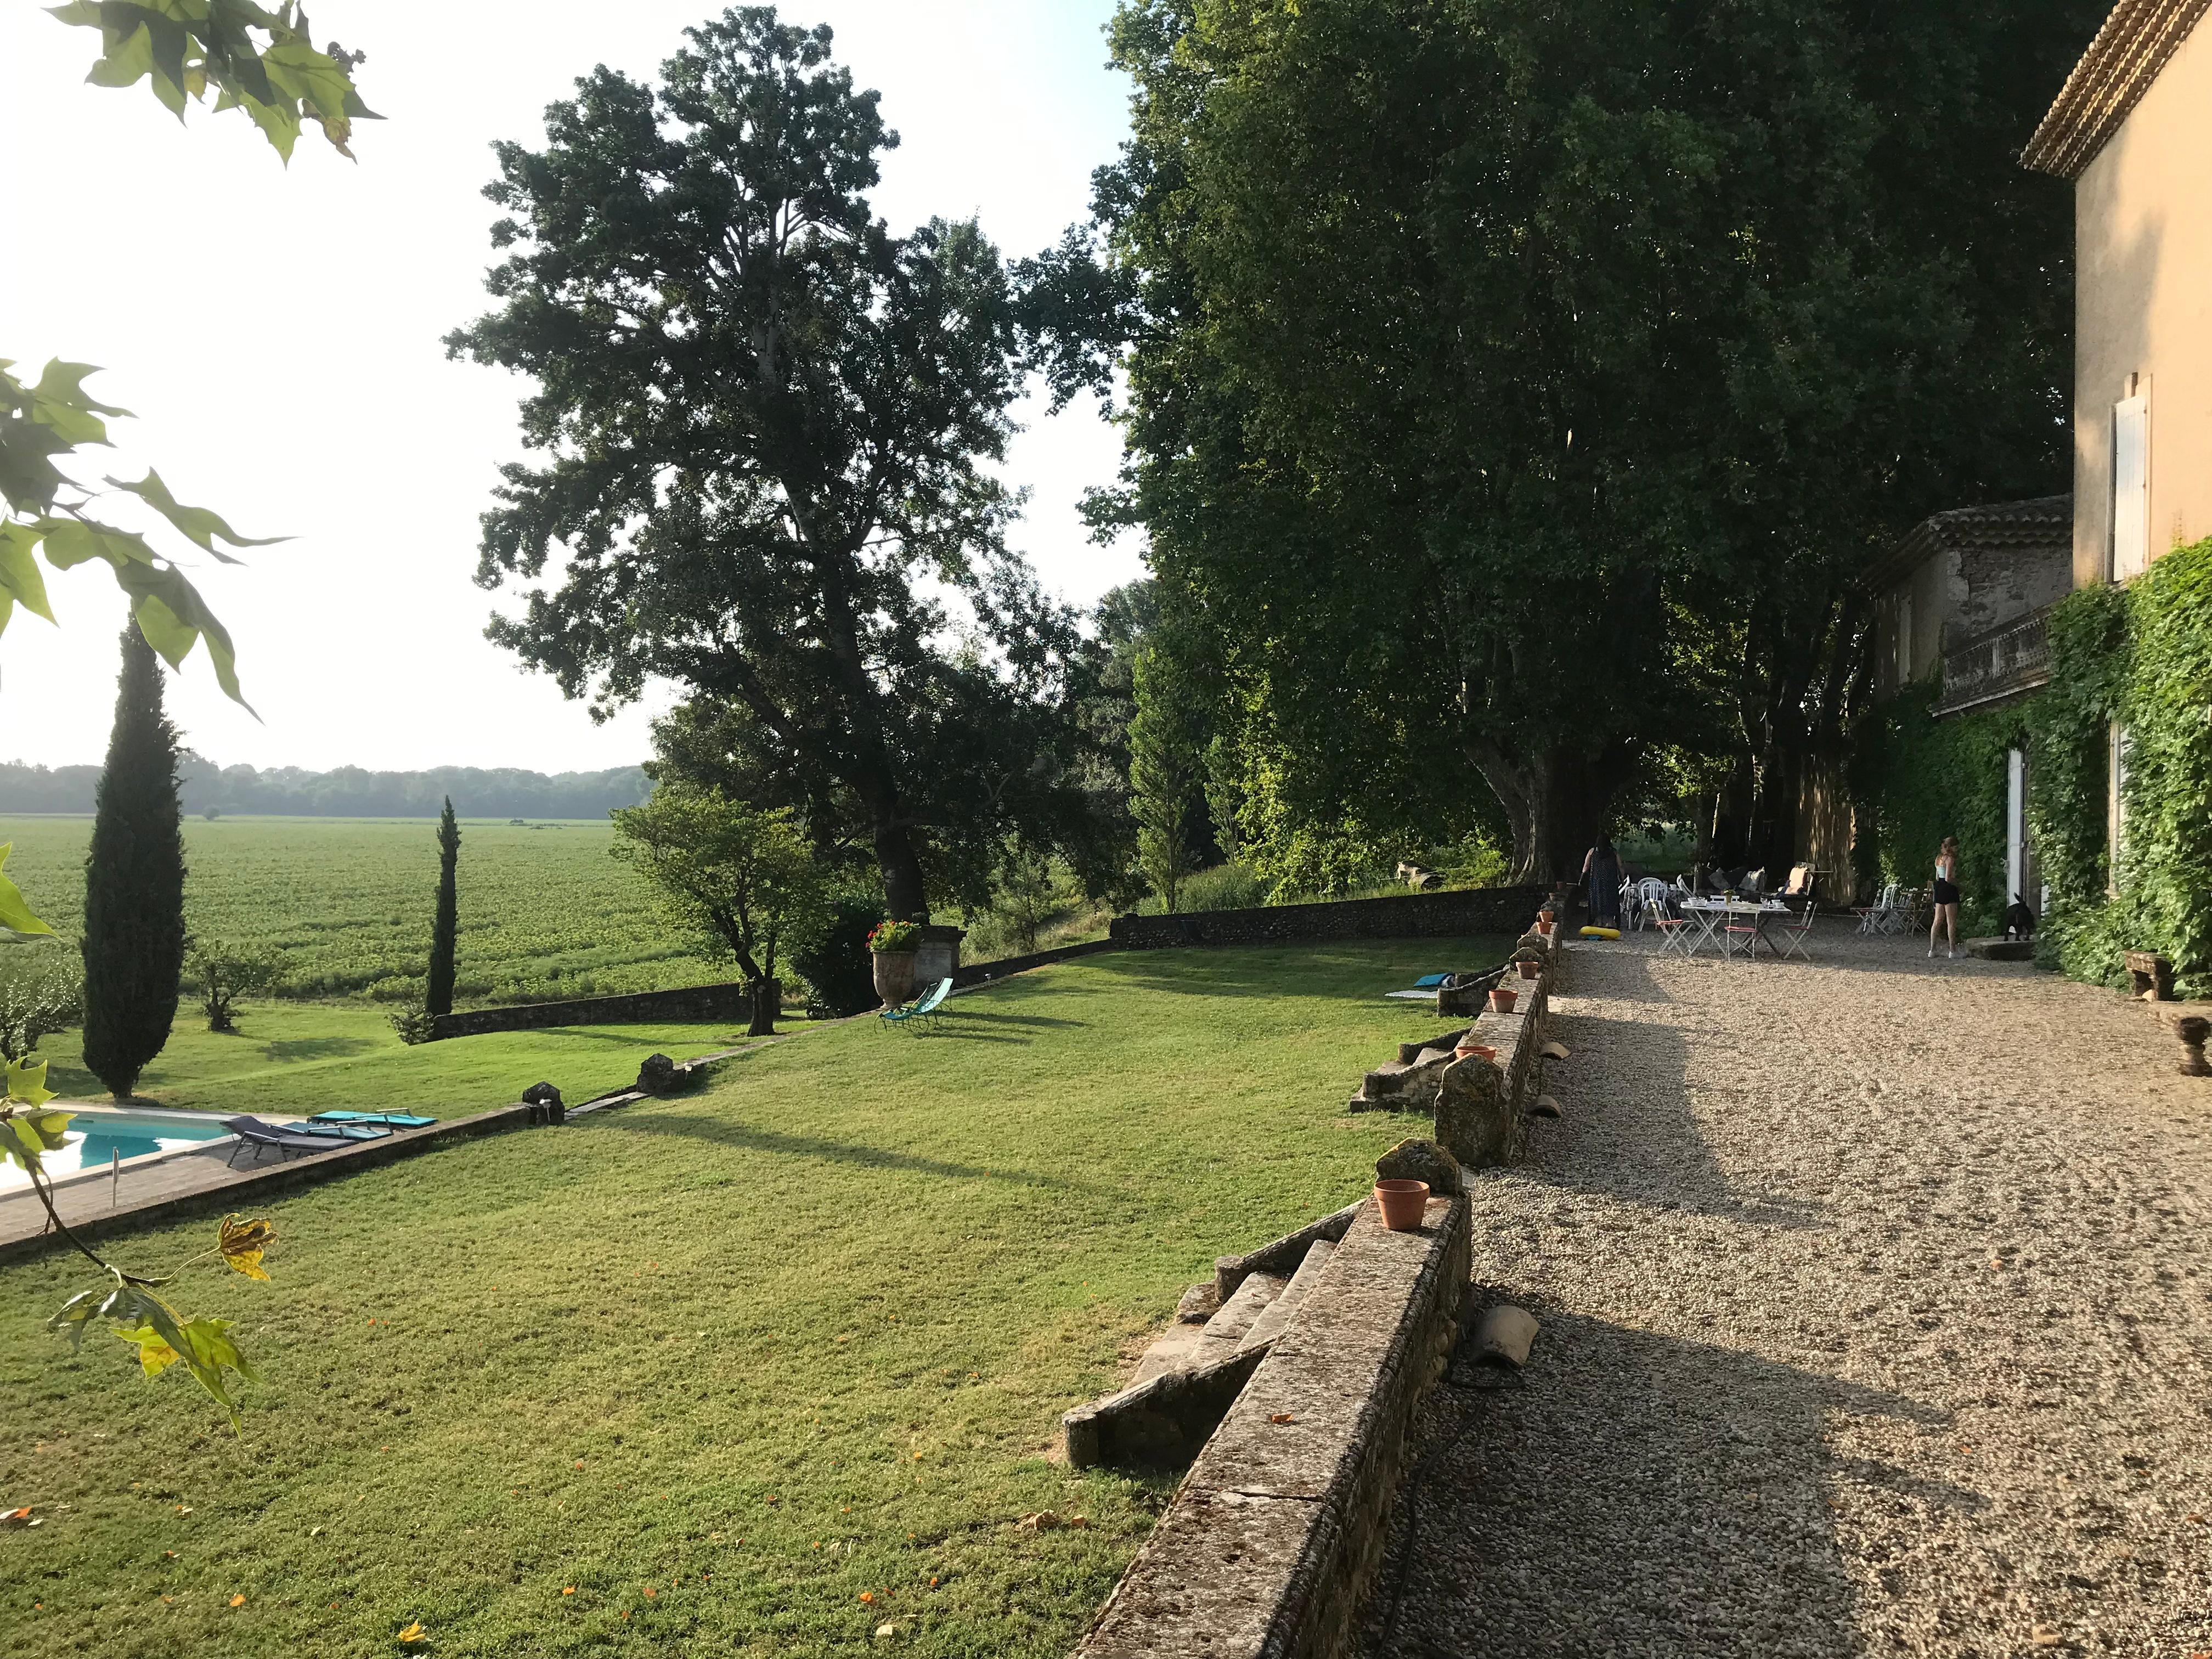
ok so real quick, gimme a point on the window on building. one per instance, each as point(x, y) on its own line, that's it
point(2130, 544)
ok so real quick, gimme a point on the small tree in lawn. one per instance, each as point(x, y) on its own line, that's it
point(444, 929)
point(224, 973)
point(134, 885)
point(745, 878)
point(1168, 742)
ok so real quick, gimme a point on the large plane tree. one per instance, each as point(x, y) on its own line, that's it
point(765, 425)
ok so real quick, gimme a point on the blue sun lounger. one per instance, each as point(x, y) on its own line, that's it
point(385, 1120)
point(922, 1006)
point(1431, 982)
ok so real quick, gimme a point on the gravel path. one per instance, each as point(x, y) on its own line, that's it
point(1877, 1318)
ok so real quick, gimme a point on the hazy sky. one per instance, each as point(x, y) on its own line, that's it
point(276, 334)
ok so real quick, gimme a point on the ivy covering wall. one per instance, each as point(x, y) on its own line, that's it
point(2142, 655)
point(1918, 779)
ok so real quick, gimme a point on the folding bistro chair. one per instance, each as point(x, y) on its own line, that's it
point(1787, 938)
point(1675, 932)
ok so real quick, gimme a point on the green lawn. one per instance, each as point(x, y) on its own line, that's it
point(295, 1057)
point(722, 1365)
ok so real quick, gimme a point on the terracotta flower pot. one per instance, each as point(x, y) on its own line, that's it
point(894, 976)
point(1530, 969)
point(1547, 916)
point(1405, 1204)
point(1502, 999)
point(1474, 1050)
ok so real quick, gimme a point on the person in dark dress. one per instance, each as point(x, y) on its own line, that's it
point(1601, 869)
point(1945, 898)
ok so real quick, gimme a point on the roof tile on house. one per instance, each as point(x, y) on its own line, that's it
point(2043, 525)
point(2122, 61)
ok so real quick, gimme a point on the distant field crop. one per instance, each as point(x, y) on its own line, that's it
point(544, 912)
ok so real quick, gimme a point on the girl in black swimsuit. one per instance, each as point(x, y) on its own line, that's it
point(1946, 898)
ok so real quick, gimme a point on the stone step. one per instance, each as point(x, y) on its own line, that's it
point(1277, 1314)
point(1185, 1347)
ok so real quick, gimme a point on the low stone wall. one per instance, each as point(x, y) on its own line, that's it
point(694, 1002)
point(1415, 915)
point(1276, 1533)
point(981, 972)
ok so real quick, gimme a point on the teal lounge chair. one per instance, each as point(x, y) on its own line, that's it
point(1431, 982)
point(388, 1120)
point(922, 1006)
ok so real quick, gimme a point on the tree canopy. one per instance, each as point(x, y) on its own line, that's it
point(766, 424)
point(1514, 389)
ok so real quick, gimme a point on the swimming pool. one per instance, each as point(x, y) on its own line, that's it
point(95, 1137)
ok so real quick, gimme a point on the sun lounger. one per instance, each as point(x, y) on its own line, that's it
point(922, 1006)
point(388, 1120)
point(1431, 982)
point(335, 1131)
point(253, 1132)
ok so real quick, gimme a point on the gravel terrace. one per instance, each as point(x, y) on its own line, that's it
point(1877, 1318)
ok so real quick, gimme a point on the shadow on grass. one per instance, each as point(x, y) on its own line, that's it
point(1344, 969)
point(721, 1132)
point(291, 1051)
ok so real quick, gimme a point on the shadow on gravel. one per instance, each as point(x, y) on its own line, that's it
point(1627, 1494)
point(1629, 1130)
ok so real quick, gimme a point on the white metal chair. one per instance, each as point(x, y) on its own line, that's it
point(1880, 917)
point(1651, 898)
point(1787, 938)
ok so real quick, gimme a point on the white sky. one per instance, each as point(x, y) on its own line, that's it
point(276, 335)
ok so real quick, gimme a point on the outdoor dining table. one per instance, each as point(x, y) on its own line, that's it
point(1712, 913)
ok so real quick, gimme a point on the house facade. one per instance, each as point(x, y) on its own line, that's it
point(2132, 130)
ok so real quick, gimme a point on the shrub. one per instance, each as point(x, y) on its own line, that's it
point(41, 992)
point(415, 1024)
point(835, 967)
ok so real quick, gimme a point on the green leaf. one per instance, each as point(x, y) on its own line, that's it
point(59, 402)
point(204, 526)
point(155, 1353)
point(20, 577)
point(73, 542)
point(28, 1135)
point(77, 1313)
point(125, 61)
point(16, 916)
point(79, 14)
point(172, 615)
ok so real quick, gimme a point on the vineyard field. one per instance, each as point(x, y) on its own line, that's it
point(346, 903)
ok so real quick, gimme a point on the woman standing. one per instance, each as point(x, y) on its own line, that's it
point(1602, 868)
point(1946, 897)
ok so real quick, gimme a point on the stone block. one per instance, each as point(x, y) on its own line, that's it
point(1159, 1423)
point(1421, 1160)
point(1283, 1256)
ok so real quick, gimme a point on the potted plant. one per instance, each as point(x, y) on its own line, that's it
point(1474, 1050)
point(1404, 1204)
point(891, 949)
point(1502, 998)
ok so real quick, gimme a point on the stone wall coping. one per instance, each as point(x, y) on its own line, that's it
point(1275, 1534)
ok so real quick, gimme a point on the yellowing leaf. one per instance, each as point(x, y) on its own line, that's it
point(414, 1633)
point(238, 1601)
point(242, 1244)
point(154, 1355)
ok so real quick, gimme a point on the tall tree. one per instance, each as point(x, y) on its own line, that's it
point(769, 423)
point(1528, 382)
point(446, 925)
point(1168, 740)
point(134, 882)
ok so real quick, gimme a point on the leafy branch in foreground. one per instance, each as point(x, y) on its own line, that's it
point(263, 62)
point(127, 1302)
point(43, 513)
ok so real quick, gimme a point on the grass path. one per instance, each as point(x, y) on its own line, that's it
point(699, 1376)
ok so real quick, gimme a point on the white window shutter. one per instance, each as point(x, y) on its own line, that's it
point(2131, 488)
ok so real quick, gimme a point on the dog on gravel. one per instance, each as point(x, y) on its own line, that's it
point(2018, 920)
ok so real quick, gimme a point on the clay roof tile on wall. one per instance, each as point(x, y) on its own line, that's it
point(2122, 61)
point(2045, 525)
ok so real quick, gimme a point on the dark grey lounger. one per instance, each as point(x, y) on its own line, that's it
point(253, 1132)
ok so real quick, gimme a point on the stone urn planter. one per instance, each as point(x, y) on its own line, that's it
point(894, 976)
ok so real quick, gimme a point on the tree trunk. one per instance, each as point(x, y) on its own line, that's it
point(767, 1002)
point(1556, 802)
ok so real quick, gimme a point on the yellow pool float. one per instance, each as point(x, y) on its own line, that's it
point(1601, 933)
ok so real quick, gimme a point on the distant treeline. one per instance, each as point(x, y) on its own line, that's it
point(348, 793)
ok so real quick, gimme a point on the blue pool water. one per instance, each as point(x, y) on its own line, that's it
point(94, 1137)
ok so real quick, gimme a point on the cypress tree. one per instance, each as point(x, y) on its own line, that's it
point(446, 927)
point(134, 882)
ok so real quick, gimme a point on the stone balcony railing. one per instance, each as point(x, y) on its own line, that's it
point(2002, 663)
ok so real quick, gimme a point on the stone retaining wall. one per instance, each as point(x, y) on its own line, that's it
point(981, 972)
point(1276, 1533)
point(1415, 915)
point(692, 1003)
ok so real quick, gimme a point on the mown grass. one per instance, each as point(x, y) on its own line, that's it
point(346, 903)
point(294, 1057)
point(756, 1371)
